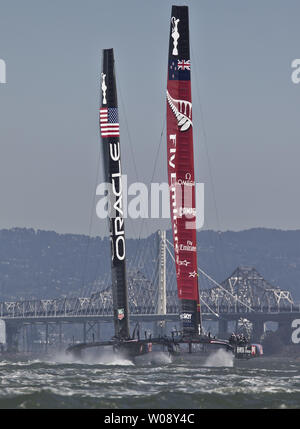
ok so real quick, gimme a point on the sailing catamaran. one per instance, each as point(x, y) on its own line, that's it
point(180, 156)
point(123, 343)
point(191, 340)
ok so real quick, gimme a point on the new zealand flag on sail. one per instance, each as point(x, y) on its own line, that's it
point(179, 69)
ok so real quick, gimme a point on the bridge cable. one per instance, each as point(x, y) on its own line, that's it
point(225, 290)
point(217, 284)
point(201, 299)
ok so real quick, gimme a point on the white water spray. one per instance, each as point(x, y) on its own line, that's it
point(107, 357)
point(220, 358)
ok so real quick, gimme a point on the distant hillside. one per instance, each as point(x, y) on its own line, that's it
point(274, 253)
point(44, 264)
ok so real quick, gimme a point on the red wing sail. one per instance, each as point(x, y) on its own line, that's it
point(181, 169)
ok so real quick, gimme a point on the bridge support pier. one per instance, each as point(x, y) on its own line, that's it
point(59, 336)
point(84, 332)
point(46, 337)
point(284, 331)
point(25, 346)
point(258, 329)
point(30, 334)
point(12, 337)
point(98, 331)
point(223, 328)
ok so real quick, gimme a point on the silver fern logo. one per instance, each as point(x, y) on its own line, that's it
point(182, 110)
point(2, 71)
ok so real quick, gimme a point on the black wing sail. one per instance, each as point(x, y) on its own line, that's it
point(110, 137)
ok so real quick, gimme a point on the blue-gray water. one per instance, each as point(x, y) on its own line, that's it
point(57, 383)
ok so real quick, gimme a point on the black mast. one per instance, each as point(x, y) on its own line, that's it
point(110, 137)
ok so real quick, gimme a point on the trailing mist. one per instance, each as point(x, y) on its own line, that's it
point(44, 264)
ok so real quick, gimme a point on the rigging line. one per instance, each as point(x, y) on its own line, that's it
point(90, 223)
point(127, 128)
point(92, 208)
point(129, 224)
point(225, 290)
point(129, 137)
point(210, 309)
point(130, 144)
point(215, 282)
point(201, 299)
point(209, 163)
point(138, 254)
point(155, 161)
point(93, 285)
point(130, 141)
point(205, 143)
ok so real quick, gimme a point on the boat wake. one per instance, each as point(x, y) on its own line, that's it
point(111, 359)
point(162, 358)
point(220, 358)
point(154, 358)
point(108, 358)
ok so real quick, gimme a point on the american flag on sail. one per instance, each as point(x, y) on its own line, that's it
point(109, 122)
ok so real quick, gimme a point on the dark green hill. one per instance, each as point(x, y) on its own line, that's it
point(45, 264)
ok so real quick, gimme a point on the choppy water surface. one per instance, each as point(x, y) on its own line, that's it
point(59, 383)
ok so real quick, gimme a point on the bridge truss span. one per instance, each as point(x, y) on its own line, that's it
point(245, 292)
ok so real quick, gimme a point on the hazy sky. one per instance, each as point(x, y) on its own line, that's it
point(245, 108)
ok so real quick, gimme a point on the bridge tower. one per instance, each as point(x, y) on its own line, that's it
point(161, 306)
